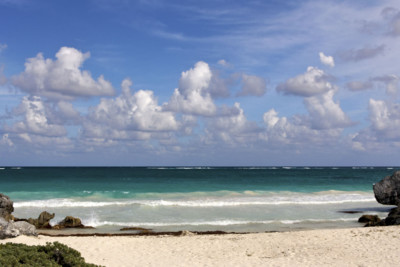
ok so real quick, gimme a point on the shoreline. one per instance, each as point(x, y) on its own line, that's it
point(139, 231)
point(81, 232)
point(366, 246)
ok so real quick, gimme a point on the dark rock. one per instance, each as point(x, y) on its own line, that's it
point(71, 222)
point(44, 219)
point(6, 207)
point(387, 191)
point(371, 220)
point(394, 212)
point(393, 217)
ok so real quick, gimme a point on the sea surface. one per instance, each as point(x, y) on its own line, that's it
point(240, 199)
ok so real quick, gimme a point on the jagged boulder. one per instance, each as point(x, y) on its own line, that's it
point(6, 207)
point(387, 191)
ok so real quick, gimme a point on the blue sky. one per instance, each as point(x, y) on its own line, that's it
point(199, 82)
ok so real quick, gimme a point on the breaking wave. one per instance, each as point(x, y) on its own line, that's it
point(199, 200)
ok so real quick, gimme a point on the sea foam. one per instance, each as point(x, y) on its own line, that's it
point(212, 223)
point(247, 198)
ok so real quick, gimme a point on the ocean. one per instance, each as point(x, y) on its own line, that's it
point(239, 199)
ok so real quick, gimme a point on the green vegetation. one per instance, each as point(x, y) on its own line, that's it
point(50, 255)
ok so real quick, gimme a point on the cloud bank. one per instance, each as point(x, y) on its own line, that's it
point(265, 102)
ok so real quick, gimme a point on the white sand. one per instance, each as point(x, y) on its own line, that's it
point(338, 247)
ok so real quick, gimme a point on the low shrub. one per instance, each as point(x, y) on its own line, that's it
point(50, 255)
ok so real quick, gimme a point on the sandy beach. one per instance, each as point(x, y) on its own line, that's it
point(333, 247)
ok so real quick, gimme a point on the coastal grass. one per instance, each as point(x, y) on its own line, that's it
point(51, 255)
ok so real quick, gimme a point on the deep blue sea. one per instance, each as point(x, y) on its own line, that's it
point(197, 198)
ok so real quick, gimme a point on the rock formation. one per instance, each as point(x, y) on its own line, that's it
point(6, 207)
point(9, 228)
point(70, 222)
point(42, 222)
point(387, 191)
point(394, 217)
point(370, 220)
point(14, 229)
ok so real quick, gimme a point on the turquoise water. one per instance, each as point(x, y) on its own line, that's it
point(196, 198)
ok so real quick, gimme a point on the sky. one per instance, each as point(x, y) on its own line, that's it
point(195, 83)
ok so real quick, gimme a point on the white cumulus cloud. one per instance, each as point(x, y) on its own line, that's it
point(318, 93)
point(138, 112)
point(193, 95)
point(326, 60)
point(35, 119)
point(61, 78)
point(293, 132)
point(233, 128)
point(325, 113)
point(385, 119)
point(311, 83)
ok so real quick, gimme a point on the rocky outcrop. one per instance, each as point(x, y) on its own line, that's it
point(387, 191)
point(6, 207)
point(70, 222)
point(370, 220)
point(44, 219)
point(9, 228)
point(42, 222)
point(393, 217)
point(14, 229)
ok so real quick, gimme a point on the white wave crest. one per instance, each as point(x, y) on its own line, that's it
point(245, 199)
point(213, 223)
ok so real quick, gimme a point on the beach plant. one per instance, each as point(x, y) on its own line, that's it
point(50, 255)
